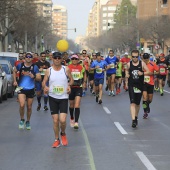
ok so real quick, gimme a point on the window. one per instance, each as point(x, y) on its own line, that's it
point(164, 2)
point(110, 14)
point(104, 27)
point(104, 8)
point(104, 15)
point(112, 8)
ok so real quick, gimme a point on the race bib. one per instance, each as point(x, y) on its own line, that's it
point(99, 70)
point(75, 75)
point(162, 70)
point(147, 79)
point(136, 90)
point(112, 65)
point(58, 90)
point(43, 72)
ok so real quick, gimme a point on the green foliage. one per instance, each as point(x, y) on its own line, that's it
point(125, 13)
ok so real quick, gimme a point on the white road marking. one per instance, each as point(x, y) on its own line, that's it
point(120, 128)
point(166, 91)
point(106, 110)
point(145, 161)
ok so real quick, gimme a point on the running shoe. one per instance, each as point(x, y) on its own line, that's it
point(28, 127)
point(22, 124)
point(106, 88)
point(72, 122)
point(93, 92)
point(117, 92)
point(134, 123)
point(56, 144)
point(76, 126)
point(38, 107)
point(110, 93)
point(145, 115)
point(45, 108)
point(100, 101)
point(64, 140)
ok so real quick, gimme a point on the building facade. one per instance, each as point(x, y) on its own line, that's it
point(44, 9)
point(59, 21)
point(107, 15)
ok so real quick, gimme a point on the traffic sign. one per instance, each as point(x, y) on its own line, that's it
point(156, 46)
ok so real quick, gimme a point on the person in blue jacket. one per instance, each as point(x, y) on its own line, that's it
point(99, 66)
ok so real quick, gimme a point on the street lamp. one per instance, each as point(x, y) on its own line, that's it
point(1, 41)
point(127, 22)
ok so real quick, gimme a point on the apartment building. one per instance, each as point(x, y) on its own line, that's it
point(147, 9)
point(107, 15)
point(59, 21)
point(44, 8)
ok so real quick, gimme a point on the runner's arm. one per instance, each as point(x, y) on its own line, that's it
point(71, 81)
point(45, 78)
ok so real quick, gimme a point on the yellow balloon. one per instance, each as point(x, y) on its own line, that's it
point(62, 45)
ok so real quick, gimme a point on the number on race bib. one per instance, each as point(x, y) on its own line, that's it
point(75, 75)
point(58, 90)
point(99, 70)
point(147, 79)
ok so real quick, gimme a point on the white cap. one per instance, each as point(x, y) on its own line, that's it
point(126, 53)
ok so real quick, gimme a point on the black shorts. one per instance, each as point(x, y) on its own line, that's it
point(87, 73)
point(118, 77)
point(91, 76)
point(109, 74)
point(123, 74)
point(148, 88)
point(58, 105)
point(28, 93)
point(134, 97)
point(163, 77)
point(75, 92)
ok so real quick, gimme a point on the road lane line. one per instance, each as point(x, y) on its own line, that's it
point(145, 161)
point(120, 128)
point(89, 151)
point(166, 91)
point(106, 110)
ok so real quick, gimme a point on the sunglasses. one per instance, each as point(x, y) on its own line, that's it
point(56, 57)
point(43, 56)
point(134, 56)
point(94, 55)
point(28, 56)
point(84, 53)
point(74, 59)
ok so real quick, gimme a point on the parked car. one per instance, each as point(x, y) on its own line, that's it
point(11, 57)
point(3, 85)
point(7, 67)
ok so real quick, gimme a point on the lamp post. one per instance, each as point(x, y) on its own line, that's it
point(127, 22)
point(1, 41)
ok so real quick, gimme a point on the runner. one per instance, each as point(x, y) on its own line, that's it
point(118, 78)
point(111, 61)
point(86, 62)
point(163, 64)
point(28, 72)
point(99, 66)
point(135, 74)
point(124, 61)
point(58, 89)
point(43, 65)
point(148, 84)
point(80, 80)
point(91, 75)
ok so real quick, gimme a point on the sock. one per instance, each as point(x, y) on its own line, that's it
point(77, 114)
point(39, 100)
point(45, 100)
point(71, 112)
point(145, 106)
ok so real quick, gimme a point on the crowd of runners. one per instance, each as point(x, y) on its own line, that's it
point(63, 79)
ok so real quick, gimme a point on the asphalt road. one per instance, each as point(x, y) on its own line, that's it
point(105, 140)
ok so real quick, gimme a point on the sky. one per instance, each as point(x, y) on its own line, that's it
point(77, 11)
